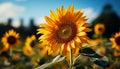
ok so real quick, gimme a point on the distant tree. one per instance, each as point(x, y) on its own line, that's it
point(9, 25)
point(111, 20)
point(32, 30)
point(22, 29)
point(2, 29)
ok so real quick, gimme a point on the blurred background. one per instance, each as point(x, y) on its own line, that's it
point(24, 16)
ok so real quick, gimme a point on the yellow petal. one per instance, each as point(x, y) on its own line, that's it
point(73, 44)
point(81, 28)
point(86, 24)
point(81, 34)
point(49, 20)
point(68, 47)
point(83, 40)
point(77, 16)
point(77, 39)
point(53, 15)
point(112, 39)
point(63, 11)
point(87, 30)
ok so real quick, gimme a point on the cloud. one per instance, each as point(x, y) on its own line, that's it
point(90, 13)
point(10, 10)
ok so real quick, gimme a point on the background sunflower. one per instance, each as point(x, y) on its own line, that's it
point(30, 41)
point(10, 39)
point(116, 41)
point(99, 28)
point(27, 50)
point(43, 49)
point(29, 45)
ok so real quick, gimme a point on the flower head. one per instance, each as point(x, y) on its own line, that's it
point(10, 39)
point(30, 41)
point(27, 50)
point(99, 28)
point(29, 44)
point(64, 30)
point(42, 49)
point(116, 41)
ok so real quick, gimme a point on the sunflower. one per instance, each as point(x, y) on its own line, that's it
point(42, 49)
point(30, 41)
point(10, 39)
point(65, 30)
point(116, 41)
point(45, 50)
point(99, 28)
point(29, 44)
point(27, 50)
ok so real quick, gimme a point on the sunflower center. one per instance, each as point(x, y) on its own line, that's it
point(100, 29)
point(11, 40)
point(65, 32)
point(117, 40)
point(32, 44)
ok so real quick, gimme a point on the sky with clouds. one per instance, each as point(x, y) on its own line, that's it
point(37, 9)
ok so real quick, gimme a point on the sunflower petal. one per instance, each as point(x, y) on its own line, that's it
point(87, 30)
point(81, 34)
point(86, 24)
point(73, 44)
point(49, 20)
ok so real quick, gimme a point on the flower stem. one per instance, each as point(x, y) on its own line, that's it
point(101, 37)
point(75, 59)
point(10, 51)
point(71, 59)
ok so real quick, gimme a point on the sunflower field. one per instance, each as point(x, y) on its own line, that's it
point(65, 41)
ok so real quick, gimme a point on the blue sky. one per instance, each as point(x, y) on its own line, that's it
point(37, 9)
